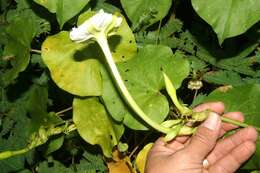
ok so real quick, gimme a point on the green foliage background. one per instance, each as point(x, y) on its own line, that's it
point(59, 96)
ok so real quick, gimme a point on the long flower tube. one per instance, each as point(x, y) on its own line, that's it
point(98, 28)
point(102, 41)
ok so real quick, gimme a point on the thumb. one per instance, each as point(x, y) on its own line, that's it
point(205, 138)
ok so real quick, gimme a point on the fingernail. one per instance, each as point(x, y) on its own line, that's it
point(212, 121)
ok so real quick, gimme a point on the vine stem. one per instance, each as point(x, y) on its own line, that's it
point(36, 51)
point(234, 122)
point(63, 111)
point(102, 41)
point(7, 154)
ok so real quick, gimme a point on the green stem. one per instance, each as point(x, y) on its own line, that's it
point(102, 41)
point(234, 122)
point(7, 154)
point(36, 142)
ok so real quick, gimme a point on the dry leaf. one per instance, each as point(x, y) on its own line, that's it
point(141, 157)
point(120, 164)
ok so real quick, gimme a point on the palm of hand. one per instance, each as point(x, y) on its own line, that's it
point(186, 155)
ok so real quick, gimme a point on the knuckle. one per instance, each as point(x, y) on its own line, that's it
point(204, 138)
point(235, 161)
point(252, 132)
point(249, 147)
point(220, 169)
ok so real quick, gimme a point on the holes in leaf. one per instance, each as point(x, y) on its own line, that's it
point(195, 48)
point(46, 49)
point(127, 70)
point(161, 68)
point(7, 135)
point(28, 115)
point(50, 164)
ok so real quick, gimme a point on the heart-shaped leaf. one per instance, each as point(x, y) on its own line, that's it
point(74, 66)
point(144, 80)
point(64, 9)
point(228, 18)
point(17, 49)
point(94, 124)
point(138, 10)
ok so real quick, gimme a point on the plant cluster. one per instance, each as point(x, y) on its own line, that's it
point(86, 84)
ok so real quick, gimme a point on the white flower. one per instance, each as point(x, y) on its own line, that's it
point(99, 23)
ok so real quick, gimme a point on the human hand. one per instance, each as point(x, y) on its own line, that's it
point(204, 152)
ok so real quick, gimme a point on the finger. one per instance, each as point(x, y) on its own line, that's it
point(232, 161)
point(225, 127)
point(161, 141)
point(238, 116)
point(180, 139)
point(177, 143)
point(217, 107)
point(205, 138)
point(160, 147)
point(175, 146)
point(226, 145)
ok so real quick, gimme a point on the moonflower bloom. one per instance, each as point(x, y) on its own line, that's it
point(100, 23)
point(99, 27)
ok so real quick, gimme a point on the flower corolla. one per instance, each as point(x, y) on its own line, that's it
point(100, 23)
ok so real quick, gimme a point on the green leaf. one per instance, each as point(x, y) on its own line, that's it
point(228, 18)
point(4, 4)
point(18, 46)
point(244, 98)
point(24, 171)
point(14, 124)
point(72, 69)
point(75, 67)
point(138, 10)
point(54, 144)
point(54, 167)
point(64, 9)
point(26, 9)
point(17, 39)
point(166, 36)
point(223, 77)
point(144, 80)
point(94, 124)
point(91, 163)
point(101, 4)
point(255, 172)
point(23, 118)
